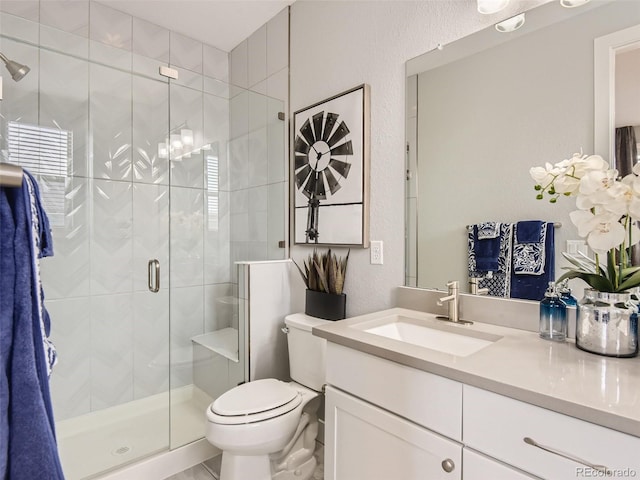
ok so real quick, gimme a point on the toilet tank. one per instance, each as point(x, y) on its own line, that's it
point(306, 351)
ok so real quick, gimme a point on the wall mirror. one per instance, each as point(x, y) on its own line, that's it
point(485, 109)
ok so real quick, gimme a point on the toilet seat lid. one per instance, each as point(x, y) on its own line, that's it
point(254, 397)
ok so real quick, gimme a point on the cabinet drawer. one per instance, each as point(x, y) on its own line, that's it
point(364, 442)
point(479, 467)
point(497, 425)
point(429, 400)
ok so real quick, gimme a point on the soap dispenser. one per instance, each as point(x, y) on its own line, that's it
point(565, 294)
point(553, 315)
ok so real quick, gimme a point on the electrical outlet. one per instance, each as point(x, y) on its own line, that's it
point(376, 252)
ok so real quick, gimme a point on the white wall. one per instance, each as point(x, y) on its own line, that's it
point(338, 45)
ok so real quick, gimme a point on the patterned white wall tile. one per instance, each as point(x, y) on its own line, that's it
point(186, 52)
point(19, 28)
point(220, 306)
point(258, 163)
point(239, 114)
point(64, 104)
point(257, 111)
point(278, 85)
point(238, 71)
point(187, 244)
point(216, 133)
point(217, 87)
point(257, 251)
point(111, 238)
point(71, 377)
point(239, 201)
point(240, 228)
point(150, 123)
point(150, 343)
point(216, 246)
point(20, 99)
point(210, 371)
point(187, 320)
point(109, 55)
point(276, 159)
point(239, 163)
point(150, 40)
point(147, 67)
point(187, 113)
point(258, 227)
point(65, 42)
point(67, 273)
point(188, 78)
point(111, 350)
point(110, 26)
point(257, 56)
point(276, 220)
point(110, 123)
point(69, 15)
point(150, 233)
point(278, 42)
point(215, 63)
point(27, 9)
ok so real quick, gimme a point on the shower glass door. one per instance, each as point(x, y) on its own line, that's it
point(154, 187)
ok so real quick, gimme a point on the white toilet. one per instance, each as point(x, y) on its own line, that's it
point(267, 428)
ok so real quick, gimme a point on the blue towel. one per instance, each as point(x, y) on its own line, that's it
point(28, 447)
point(496, 281)
point(532, 287)
point(528, 231)
point(529, 256)
point(486, 250)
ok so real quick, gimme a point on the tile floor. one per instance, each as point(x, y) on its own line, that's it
point(209, 470)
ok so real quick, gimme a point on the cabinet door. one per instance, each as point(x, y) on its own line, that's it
point(479, 467)
point(364, 442)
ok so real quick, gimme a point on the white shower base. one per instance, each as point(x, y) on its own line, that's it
point(100, 441)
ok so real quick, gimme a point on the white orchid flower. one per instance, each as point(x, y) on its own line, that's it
point(623, 199)
point(602, 230)
point(544, 175)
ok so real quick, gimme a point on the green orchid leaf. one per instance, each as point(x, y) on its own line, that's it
point(631, 282)
point(598, 282)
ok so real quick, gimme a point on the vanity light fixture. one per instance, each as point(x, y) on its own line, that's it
point(488, 7)
point(573, 3)
point(510, 24)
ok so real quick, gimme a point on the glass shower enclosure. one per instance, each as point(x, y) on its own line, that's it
point(154, 186)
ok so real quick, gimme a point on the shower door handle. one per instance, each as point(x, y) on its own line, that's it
point(153, 275)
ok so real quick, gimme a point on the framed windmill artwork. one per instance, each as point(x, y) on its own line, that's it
point(330, 171)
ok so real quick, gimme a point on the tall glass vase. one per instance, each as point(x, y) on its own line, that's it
point(607, 324)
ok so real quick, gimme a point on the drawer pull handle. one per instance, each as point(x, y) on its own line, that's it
point(448, 465)
point(533, 443)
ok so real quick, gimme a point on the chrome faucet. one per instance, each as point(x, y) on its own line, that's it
point(452, 304)
point(473, 286)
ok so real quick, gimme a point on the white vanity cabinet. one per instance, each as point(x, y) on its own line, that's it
point(383, 437)
point(481, 467)
point(558, 446)
point(364, 442)
point(387, 421)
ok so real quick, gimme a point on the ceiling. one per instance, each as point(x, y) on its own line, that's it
point(221, 23)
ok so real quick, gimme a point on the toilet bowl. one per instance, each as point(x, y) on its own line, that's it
point(267, 428)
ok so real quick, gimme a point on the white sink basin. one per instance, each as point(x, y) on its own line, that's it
point(430, 333)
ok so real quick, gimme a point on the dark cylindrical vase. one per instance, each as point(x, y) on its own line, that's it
point(328, 306)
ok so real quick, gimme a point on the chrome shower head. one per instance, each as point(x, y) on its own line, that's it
point(17, 70)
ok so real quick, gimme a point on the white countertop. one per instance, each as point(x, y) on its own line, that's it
point(521, 365)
